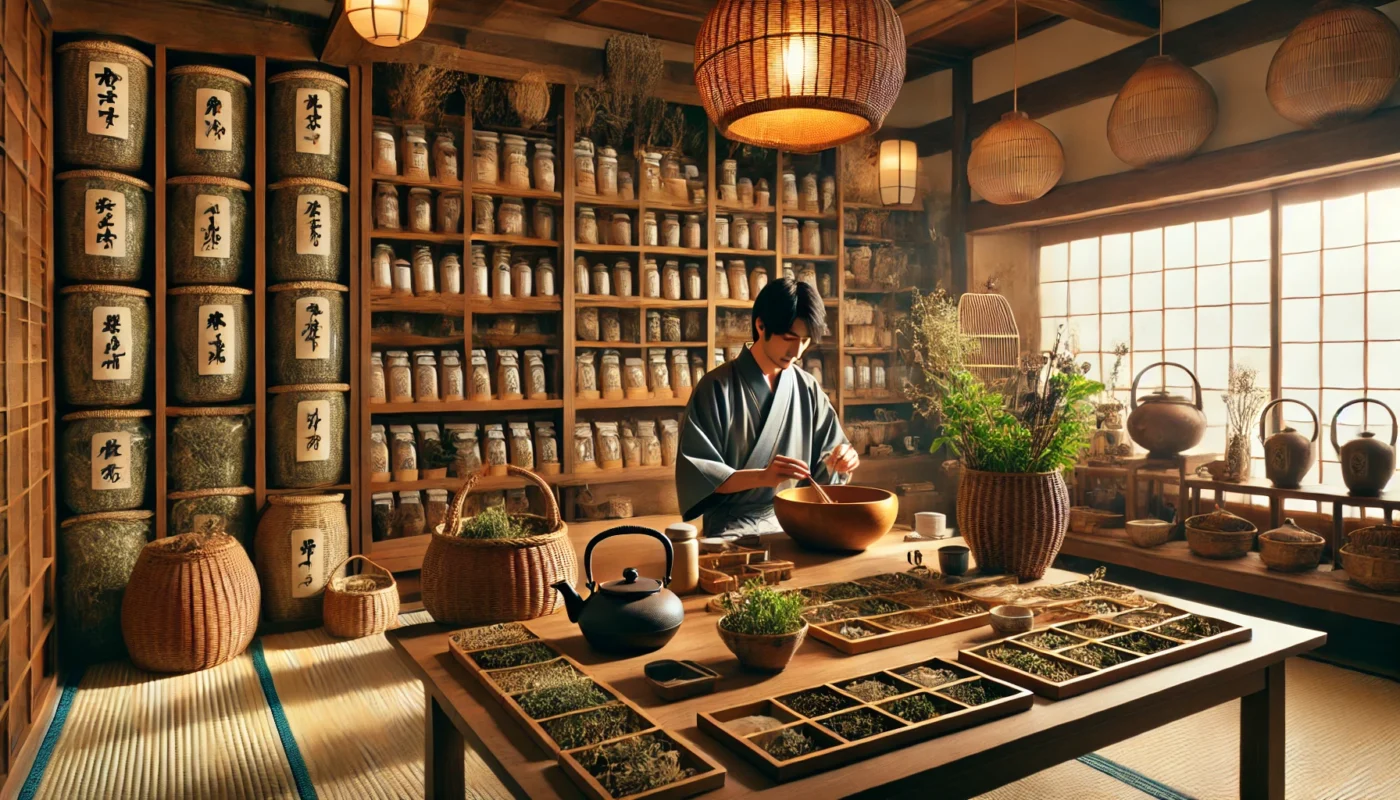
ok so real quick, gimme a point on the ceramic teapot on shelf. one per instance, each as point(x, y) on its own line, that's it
point(1165, 424)
point(1288, 454)
point(632, 615)
point(1367, 463)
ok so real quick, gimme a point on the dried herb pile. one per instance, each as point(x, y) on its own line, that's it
point(1144, 643)
point(870, 690)
point(635, 765)
point(495, 523)
point(828, 613)
point(854, 631)
point(790, 743)
point(1096, 607)
point(1032, 663)
point(912, 619)
point(499, 635)
point(1047, 640)
point(1096, 655)
point(1192, 627)
point(816, 702)
point(1138, 619)
point(574, 695)
point(917, 707)
point(517, 656)
point(878, 605)
point(1093, 629)
point(859, 724)
point(541, 676)
point(929, 677)
point(972, 693)
point(844, 591)
point(591, 727)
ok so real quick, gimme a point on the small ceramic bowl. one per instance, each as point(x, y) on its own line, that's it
point(1009, 620)
point(1148, 532)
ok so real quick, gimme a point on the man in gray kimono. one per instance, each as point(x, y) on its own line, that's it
point(760, 423)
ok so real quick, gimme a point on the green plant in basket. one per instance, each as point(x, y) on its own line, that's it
point(494, 523)
point(762, 611)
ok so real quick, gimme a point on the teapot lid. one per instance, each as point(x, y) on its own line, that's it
point(1162, 396)
point(631, 586)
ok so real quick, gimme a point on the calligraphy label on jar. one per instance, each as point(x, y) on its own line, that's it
point(107, 99)
point(212, 109)
point(308, 556)
point(309, 311)
point(315, 123)
point(104, 223)
point(111, 460)
point(313, 422)
point(110, 357)
point(313, 233)
point(218, 331)
point(210, 226)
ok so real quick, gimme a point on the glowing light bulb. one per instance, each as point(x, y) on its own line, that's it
point(799, 60)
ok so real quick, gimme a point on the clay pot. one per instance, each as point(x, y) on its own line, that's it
point(1288, 454)
point(1289, 548)
point(1367, 463)
point(855, 519)
point(1166, 425)
point(763, 653)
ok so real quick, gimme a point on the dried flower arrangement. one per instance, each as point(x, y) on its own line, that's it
point(933, 341)
point(1244, 398)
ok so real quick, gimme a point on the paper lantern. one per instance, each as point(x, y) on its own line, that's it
point(388, 23)
point(801, 75)
point(899, 171)
point(1338, 65)
point(1165, 112)
point(1016, 161)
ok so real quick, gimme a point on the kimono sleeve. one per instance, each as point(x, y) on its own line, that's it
point(701, 466)
point(826, 435)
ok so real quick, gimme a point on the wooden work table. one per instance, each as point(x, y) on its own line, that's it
point(959, 764)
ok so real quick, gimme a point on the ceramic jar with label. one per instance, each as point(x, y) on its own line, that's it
point(454, 379)
point(206, 229)
point(486, 157)
point(426, 382)
point(416, 158)
point(209, 447)
point(584, 458)
point(105, 460)
point(306, 125)
point(483, 214)
point(449, 211)
point(307, 331)
point(515, 164)
point(585, 176)
point(543, 166)
point(399, 376)
point(420, 210)
point(386, 208)
point(502, 280)
point(102, 230)
point(479, 377)
point(544, 277)
point(307, 435)
point(586, 227)
point(542, 221)
point(384, 150)
point(306, 218)
point(651, 170)
point(536, 381)
point(607, 172)
point(102, 95)
point(508, 382)
point(207, 123)
point(450, 274)
point(209, 326)
point(649, 232)
point(811, 238)
point(445, 162)
point(510, 220)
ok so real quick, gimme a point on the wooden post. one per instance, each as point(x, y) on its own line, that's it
point(444, 772)
point(962, 190)
point(1262, 738)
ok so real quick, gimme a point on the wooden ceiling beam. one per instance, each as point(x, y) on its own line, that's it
point(577, 9)
point(186, 25)
point(1128, 17)
point(925, 19)
point(474, 15)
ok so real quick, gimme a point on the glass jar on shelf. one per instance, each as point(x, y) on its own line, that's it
point(634, 379)
point(739, 233)
point(807, 197)
point(486, 164)
point(386, 160)
point(536, 380)
point(652, 171)
point(721, 283)
point(650, 443)
point(692, 288)
point(828, 194)
point(403, 453)
point(586, 229)
point(522, 278)
point(671, 280)
point(522, 447)
point(425, 377)
point(445, 157)
point(830, 241)
point(811, 238)
point(745, 192)
point(659, 374)
point(479, 284)
point(621, 231)
point(825, 288)
point(625, 189)
point(542, 221)
point(609, 446)
point(449, 212)
point(602, 282)
point(416, 161)
point(585, 176)
point(543, 162)
point(807, 273)
point(848, 374)
point(544, 277)
point(622, 278)
point(586, 324)
point(586, 375)
point(792, 237)
point(399, 376)
point(671, 230)
point(879, 380)
point(758, 279)
point(501, 269)
point(649, 233)
point(450, 274)
point(381, 272)
point(651, 279)
point(758, 234)
point(420, 210)
point(670, 441)
point(454, 381)
point(631, 448)
point(609, 325)
point(680, 374)
point(403, 276)
point(483, 214)
point(610, 377)
point(738, 281)
point(729, 177)
point(670, 326)
point(862, 374)
point(789, 195)
point(762, 196)
point(510, 220)
point(479, 382)
point(721, 231)
point(692, 325)
point(653, 325)
point(789, 271)
point(378, 385)
point(584, 458)
point(386, 207)
point(516, 165)
point(380, 466)
point(690, 234)
point(496, 453)
point(508, 377)
point(607, 172)
point(546, 449)
point(424, 272)
point(581, 275)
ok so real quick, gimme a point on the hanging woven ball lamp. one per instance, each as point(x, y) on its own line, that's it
point(1337, 66)
point(801, 75)
point(1164, 113)
point(1017, 160)
point(388, 23)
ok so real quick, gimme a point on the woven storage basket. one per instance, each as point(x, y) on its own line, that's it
point(209, 448)
point(1371, 557)
point(302, 543)
point(1164, 113)
point(1220, 535)
point(300, 146)
point(122, 146)
point(291, 412)
point(119, 442)
point(306, 332)
point(210, 330)
point(192, 603)
point(361, 605)
point(1017, 160)
point(1338, 65)
point(1290, 548)
point(207, 131)
point(1013, 522)
point(207, 231)
point(480, 581)
point(214, 511)
point(100, 225)
point(96, 555)
point(299, 250)
point(81, 326)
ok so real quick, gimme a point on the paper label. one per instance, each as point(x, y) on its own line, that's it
point(308, 556)
point(211, 233)
point(313, 225)
point(111, 460)
point(213, 116)
point(107, 99)
point(218, 336)
point(104, 223)
point(111, 343)
point(209, 523)
point(313, 425)
point(311, 319)
point(314, 124)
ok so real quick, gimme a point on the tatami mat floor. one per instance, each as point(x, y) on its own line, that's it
point(355, 718)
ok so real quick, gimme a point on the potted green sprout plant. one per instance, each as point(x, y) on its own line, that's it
point(763, 627)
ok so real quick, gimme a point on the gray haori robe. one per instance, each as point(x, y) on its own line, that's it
point(734, 421)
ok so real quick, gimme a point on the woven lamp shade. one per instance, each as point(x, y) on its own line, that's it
point(388, 23)
point(1017, 160)
point(1338, 65)
point(1164, 113)
point(802, 75)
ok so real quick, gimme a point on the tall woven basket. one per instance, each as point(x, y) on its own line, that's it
point(192, 603)
point(479, 581)
point(1013, 523)
point(301, 545)
point(1338, 65)
point(361, 605)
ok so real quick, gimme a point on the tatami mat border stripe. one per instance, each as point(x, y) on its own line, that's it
point(46, 748)
point(1133, 778)
point(300, 773)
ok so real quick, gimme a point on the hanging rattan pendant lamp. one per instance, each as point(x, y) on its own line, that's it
point(1017, 160)
point(801, 75)
point(1337, 66)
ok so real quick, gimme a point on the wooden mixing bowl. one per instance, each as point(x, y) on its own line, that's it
point(855, 519)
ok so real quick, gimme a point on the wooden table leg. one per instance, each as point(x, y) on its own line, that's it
point(444, 773)
point(1262, 739)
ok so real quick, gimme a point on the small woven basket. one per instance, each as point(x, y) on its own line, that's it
point(360, 605)
point(1371, 558)
point(1220, 535)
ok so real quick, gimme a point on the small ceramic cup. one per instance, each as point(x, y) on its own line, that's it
point(931, 524)
point(953, 559)
point(1011, 620)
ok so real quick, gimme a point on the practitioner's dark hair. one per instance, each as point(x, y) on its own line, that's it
point(784, 301)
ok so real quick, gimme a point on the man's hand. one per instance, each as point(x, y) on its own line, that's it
point(843, 459)
point(783, 468)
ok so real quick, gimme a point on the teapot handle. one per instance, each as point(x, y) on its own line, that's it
point(1263, 415)
point(1194, 383)
point(1394, 427)
point(620, 531)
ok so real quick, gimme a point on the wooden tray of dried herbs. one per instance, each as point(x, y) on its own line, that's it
point(834, 724)
point(887, 610)
point(727, 571)
point(1072, 658)
point(604, 742)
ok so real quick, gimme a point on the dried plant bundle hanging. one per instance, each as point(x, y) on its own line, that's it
point(588, 100)
point(529, 96)
point(417, 92)
point(486, 100)
point(634, 64)
point(860, 172)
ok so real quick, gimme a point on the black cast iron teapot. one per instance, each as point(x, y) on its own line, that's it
point(632, 615)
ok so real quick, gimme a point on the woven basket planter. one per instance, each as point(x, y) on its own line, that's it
point(480, 581)
point(207, 229)
point(1013, 523)
point(361, 605)
point(96, 555)
point(307, 332)
point(306, 221)
point(192, 603)
point(209, 448)
point(306, 127)
point(104, 343)
point(209, 511)
point(103, 100)
point(209, 326)
point(1164, 113)
point(1017, 160)
point(207, 130)
point(1371, 558)
point(100, 226)
point(106, 460)
point(1337, 66)
point(307, 432)
point(302, 543)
